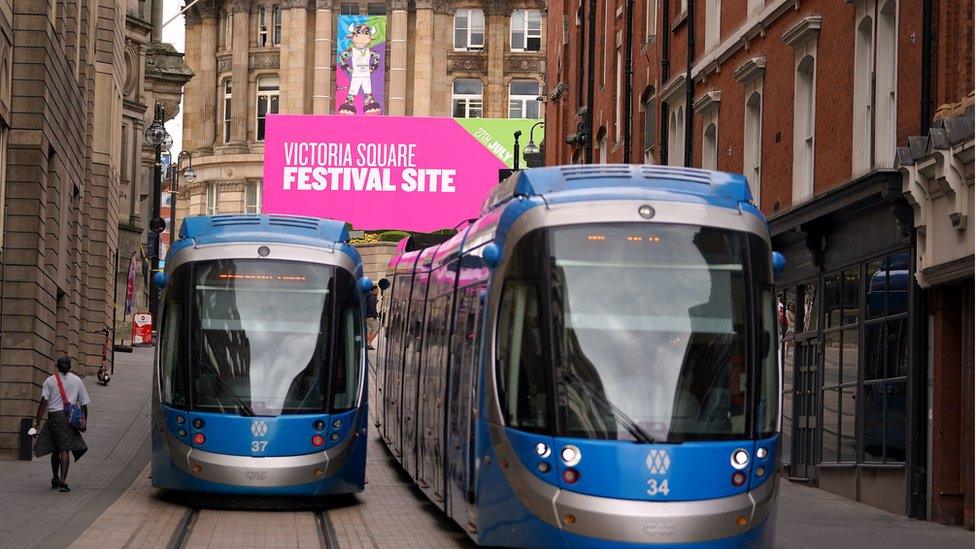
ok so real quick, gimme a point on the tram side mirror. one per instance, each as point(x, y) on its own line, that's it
point(365, 285)
point(160, 279)
point(491, 254)
point(384, 284)
point(779, 263)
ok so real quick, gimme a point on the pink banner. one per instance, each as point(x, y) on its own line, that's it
point(410, 173)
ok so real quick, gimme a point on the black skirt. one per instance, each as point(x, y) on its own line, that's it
point(57, 435)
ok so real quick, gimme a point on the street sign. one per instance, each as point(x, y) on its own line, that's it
point(157, 225)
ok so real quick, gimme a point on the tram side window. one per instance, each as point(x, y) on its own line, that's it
point(767, 386)
point(523, 377)
point(345, 376)
point(172, 376)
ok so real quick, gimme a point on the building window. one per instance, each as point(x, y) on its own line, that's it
point(252, 197)
point(618, 100)
point(267, 98)
point(650, 19)
point(752, 144)
point(602, 145)
point(713, 23)
point(526, 30)
point(650, 125)
point(469, 30)
point(228, 30)
point(276, 15)
point(840, 364)
point(710, 147)
point(376, 8)
point(804, 105)
point(227, 109)
point(212, 201)
point(467, 102)
point(886, 87)
point(676, 135)
point(262, 27)
point(863, 61)
point(523, 99)
point(348, 9)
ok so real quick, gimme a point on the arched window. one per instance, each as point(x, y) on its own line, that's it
point(752, 144)
point(267, 102)
point(710, 147)
point(466, 98)
point(602, 145)
point(886, 86)
point(523, 99)
point(863, 62)
point(803, 128)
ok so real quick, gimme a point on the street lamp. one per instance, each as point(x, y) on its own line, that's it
point(532, 153)
point(157, 138)
point(515, 163)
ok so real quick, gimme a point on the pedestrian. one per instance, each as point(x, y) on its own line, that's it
point(372, 318)
point(58, 438)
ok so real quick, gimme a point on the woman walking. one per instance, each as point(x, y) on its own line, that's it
point(59, 438)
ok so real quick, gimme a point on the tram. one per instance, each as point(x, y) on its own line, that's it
point(259, 385)
point(591, 362)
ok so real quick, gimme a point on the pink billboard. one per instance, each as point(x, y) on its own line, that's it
point(411, 173)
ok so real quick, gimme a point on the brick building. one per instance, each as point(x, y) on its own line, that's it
point(458, 58)
point(810, 100)
point(62, 96)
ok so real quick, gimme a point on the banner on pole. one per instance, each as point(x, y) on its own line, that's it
point(387, 172)
point(130, 284)
point(360, 64)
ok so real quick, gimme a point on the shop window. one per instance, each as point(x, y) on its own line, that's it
point(526, 27)
point(841, 343)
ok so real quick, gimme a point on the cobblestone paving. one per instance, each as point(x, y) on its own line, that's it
point(244, 529)
point(32, 514)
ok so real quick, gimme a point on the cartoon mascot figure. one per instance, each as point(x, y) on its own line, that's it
point(359, 61)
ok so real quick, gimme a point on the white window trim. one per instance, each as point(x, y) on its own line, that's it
point(618, 100)
point(802, 37)
point(262, 27)
point(257, 204)
point(467, 99)
point(276, 25)
point(707, 106)
point(525, 30)
point(267, 95)
point(523, 100)
point(752, 150)
point(227, 108)
point(676, 133)
point(886, 85)
point(213, 198)
point(469, 45)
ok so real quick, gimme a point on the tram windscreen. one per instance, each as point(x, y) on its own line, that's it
point(263, 337)
point(651, 328)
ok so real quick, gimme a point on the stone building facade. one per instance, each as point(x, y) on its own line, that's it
point(810, 100)
point(440, 54)
point(63, 93)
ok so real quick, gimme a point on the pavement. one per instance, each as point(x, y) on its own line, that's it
point(32, 514)
point(113, 505)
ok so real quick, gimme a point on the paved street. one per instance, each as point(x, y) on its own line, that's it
point(113, 504)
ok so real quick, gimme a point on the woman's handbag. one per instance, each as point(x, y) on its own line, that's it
point(76, 416)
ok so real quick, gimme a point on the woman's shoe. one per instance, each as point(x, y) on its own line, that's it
point(64, 487)
point(55, 483)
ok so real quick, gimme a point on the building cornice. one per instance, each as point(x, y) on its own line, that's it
point(708, 102)
point(672, 89)
point(803, 30)
point(750, 70)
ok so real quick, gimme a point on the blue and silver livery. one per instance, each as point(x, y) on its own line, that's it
point(259, 385)
point(591, 363)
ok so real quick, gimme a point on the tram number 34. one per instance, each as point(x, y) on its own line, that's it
point(654, 487)
point(261, 445)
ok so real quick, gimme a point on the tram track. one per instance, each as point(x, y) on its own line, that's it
point(327, 530)
point(182, 533)
point(323, 530)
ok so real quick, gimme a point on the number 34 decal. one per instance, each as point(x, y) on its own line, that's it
point(261, 445)
point(654, 487)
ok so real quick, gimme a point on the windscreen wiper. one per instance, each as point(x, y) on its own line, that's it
point(632, 427)
point(237, 400)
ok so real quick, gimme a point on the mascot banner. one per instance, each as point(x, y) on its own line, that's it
point(386, 172)
point(360, 64)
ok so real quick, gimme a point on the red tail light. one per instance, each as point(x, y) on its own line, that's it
point(738, 478)
point(199, 438)
point(318, 440)
point(570, 476)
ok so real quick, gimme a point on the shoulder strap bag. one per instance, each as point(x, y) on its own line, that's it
point(75, 414)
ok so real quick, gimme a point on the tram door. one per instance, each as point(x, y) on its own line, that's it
point(806, 379)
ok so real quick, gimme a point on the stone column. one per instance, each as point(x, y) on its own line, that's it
point(423, 57)
point(206, 80)
point(240, 57)
point(497, 40)
point(443, 42)
point(397, 32)
point(324, 54)
point(294, 48)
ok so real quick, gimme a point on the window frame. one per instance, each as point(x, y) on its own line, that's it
point(262, 26)
point(271, 97)
point(525, 29)
point(228, 109)
point(524, 99)
point(256, 205)
point(276, 25)
point(213, 198)
point(467, 99)
point(469, 29)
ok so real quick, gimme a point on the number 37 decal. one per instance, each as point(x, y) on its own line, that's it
point(261, 445)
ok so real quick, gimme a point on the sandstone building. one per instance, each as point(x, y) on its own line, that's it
point(251, 57)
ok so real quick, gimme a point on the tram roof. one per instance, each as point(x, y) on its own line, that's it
point(275, 229)
point(609, 181)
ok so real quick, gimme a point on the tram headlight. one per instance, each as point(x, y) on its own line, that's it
point(198, 423)
point(319, 425)
point(543, 450)
point(740, 458)
point(761, 453)
point(180, 420)
point(570, 455)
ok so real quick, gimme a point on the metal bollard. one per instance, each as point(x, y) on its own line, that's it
point(26, 444)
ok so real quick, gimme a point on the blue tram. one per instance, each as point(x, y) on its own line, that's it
point(259, 386)
point(591, 362)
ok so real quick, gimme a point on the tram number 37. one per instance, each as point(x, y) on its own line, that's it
point(260, 445)
point(654, 487)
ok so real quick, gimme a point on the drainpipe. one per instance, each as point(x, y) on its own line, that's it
point(927, 37)
point(629, 82)
point(665, 74)
point(689, 85)
point(591, 81)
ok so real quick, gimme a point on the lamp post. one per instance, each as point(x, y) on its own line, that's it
point(515, 163)
point(189, 176)
point(157, 138)
point(532, 153)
